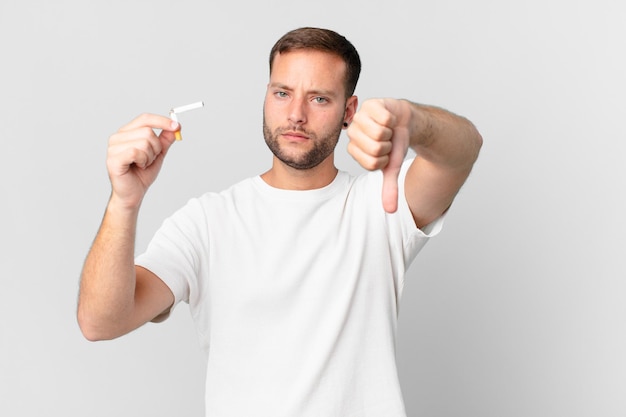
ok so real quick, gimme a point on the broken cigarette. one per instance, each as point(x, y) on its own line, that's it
point(175, 110)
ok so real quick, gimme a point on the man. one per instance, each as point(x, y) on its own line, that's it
point(293, 277)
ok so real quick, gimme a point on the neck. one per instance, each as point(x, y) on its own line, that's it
point(287, 178)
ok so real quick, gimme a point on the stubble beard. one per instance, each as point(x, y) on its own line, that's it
point(322, 146)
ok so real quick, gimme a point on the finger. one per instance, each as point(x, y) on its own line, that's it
point(375, 141)
point(144, 125)
point(365, 159)
point(372, 150)
point(122, 159)
point(390, 189)
point(374, 124)
point(390, 178)
point(140, 147)
point(154, 121)
point(378, 111)
point(168, 137)
point(143, 137)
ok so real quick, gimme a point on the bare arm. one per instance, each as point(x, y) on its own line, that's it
point(115, 296)
point(446, 145)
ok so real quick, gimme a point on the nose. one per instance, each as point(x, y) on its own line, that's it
point(297, 111)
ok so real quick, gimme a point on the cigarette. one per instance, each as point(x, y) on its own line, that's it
point(181, 109)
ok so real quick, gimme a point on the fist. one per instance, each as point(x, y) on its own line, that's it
point(379, 139)
point(135, 155)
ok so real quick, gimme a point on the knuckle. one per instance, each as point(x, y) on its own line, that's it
point(134, 154)
point(371, 164)
point(145, 147)
point(146, 131)
point(382, 133)
point(357, 118)
point(114, 138)
point(378, 149)
point(144, 116)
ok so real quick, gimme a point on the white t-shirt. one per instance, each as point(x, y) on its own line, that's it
point(294, 294)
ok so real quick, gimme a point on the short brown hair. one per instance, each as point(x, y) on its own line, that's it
point(324, 40)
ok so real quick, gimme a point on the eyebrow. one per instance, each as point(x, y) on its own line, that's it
point(328, 93)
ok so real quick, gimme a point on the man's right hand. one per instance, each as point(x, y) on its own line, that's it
point(135, 155)
point(115, 295)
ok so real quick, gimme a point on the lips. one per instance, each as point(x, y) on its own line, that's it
point(295, 135)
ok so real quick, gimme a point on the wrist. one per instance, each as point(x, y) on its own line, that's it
point(122, 205)
point(421, 126)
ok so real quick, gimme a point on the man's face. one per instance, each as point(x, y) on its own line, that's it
point(304, 107)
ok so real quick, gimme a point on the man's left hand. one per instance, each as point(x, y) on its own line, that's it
point(379, 139)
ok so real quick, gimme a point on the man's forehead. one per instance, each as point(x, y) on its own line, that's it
point(323, 58)
point(318, 67)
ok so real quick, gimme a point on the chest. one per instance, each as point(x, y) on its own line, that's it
point(283, 256)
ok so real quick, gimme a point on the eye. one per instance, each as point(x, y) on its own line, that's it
point(281, 94)
point(320, 100)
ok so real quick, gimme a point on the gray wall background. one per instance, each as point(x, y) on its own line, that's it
point(517, 309)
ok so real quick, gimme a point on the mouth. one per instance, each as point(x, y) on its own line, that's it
point(295, 136)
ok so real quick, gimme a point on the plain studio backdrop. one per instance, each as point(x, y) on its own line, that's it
point(516, 309)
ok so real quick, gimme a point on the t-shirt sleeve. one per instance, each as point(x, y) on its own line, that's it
point(414, 238)
point(173, 254)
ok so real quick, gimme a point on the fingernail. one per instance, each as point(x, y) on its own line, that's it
point(174, 125)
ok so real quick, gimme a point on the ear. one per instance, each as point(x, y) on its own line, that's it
point(351, 106)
